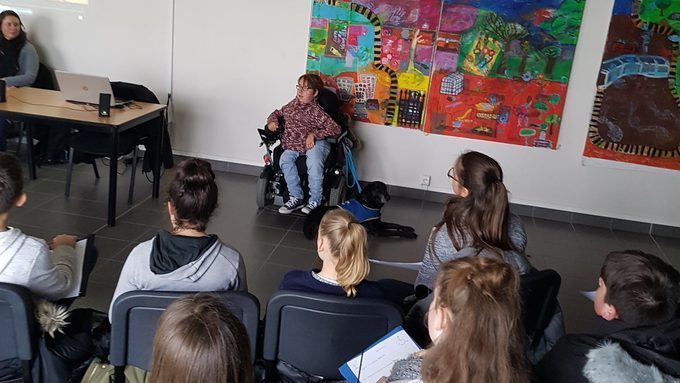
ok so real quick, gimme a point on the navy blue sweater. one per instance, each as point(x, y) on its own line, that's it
point(304, 281)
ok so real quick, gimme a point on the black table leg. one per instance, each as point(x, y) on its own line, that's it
point(29, 150)
point(113, 177)
point(156, 167)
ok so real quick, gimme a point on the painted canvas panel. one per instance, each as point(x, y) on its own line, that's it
point(501, 69)
point(636, 116)
point(378, 55)
point(489, 69)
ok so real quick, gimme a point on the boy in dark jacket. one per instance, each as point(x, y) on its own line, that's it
point(637, 296)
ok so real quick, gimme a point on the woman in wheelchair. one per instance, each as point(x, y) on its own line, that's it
point(305, 133)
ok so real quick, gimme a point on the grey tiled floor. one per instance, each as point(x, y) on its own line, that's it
point(272, 244)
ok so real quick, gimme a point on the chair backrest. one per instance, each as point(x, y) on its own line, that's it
point(135, 316)
point(317, 333)
point(539, 299)
point(17, 327)
point(136, 92)
point(44, 79)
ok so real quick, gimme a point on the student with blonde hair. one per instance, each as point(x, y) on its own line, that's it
point(474, 322)
point(199, 340)
point(341, 245)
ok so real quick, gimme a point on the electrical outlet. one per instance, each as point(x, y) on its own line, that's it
point(425, 180)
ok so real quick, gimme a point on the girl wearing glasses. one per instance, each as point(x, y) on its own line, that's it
point(476, 220)
point(305, 133)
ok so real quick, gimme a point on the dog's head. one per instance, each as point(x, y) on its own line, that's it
point(374, 195)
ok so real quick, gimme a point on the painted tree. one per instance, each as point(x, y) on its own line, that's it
point(662, 5)
point(551, 52)
point(525, 46)
point(506, 33)
point(566, 22)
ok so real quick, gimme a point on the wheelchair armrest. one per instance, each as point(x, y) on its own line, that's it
point(336, 139)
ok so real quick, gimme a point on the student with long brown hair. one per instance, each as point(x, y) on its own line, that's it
point(341, 245)
point(474, 323)
point(199, 340)
point(476, 220)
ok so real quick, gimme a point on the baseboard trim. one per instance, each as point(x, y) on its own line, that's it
point(523, 210)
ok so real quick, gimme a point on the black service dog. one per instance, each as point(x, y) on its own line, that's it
point(366, 209)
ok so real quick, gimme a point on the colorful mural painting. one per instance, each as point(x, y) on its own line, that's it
point(636, 117)
point(488, 69)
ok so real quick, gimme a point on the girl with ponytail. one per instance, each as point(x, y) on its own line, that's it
point(476, 220)
point(474, 322)
point(341, 245)
point(186, 258)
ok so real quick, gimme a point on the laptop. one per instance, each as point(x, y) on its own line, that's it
point(83, 88)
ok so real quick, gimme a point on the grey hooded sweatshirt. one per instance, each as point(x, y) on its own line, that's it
point(28, 261)
point(216, 267)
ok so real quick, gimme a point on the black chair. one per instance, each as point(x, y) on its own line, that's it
point(135, 316)
point(92, 145)
point(539, 291)
point(17, 327)
point(317, 333)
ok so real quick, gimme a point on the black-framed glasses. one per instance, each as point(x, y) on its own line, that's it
point(452, 174)
point(303, 88)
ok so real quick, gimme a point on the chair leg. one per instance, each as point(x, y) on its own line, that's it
point(133, 173)
point(21, 129)
point(94, 167)
point(69, 172)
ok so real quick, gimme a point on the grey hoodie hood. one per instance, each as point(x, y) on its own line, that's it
point(199, 261)
point(171, 252)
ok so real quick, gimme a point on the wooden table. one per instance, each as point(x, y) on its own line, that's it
point(32, 105)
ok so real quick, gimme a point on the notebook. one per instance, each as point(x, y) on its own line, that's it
point(84, 88)
point(377, 360)
point(83, 265)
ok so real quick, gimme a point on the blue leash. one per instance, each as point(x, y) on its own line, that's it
point(350, 169)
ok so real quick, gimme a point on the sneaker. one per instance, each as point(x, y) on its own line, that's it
point(292, 205)
point(310, 206)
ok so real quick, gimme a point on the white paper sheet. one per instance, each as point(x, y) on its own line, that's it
point(377, 361)
point(78, 272)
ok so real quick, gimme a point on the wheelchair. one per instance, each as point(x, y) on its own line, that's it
point(271, 185)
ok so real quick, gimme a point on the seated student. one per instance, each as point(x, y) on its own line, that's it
point(199, 340)
point(306, 128)
point(341, 245)
point(25, 260)
point(476, 220)
point(637, 295)
point(28, 261)
point(186, 259)
point(19, 61)
point(474, 323)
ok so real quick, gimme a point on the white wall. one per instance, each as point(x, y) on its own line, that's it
point(126, 40)
point(235, 61)
point(252, 52)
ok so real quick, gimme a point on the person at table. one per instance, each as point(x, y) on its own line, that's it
point(19, 62)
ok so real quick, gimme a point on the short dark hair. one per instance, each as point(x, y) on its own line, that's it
point(11, 181)
point(312, 81)
point(193, 194)
point(199, 340)
point(643, 288)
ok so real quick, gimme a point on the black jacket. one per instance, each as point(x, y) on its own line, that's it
point(633, 351)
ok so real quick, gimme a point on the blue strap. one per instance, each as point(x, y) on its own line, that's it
point(350, 169)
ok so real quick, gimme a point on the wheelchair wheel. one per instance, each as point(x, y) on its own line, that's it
point(264, 195)
point(337, 195)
